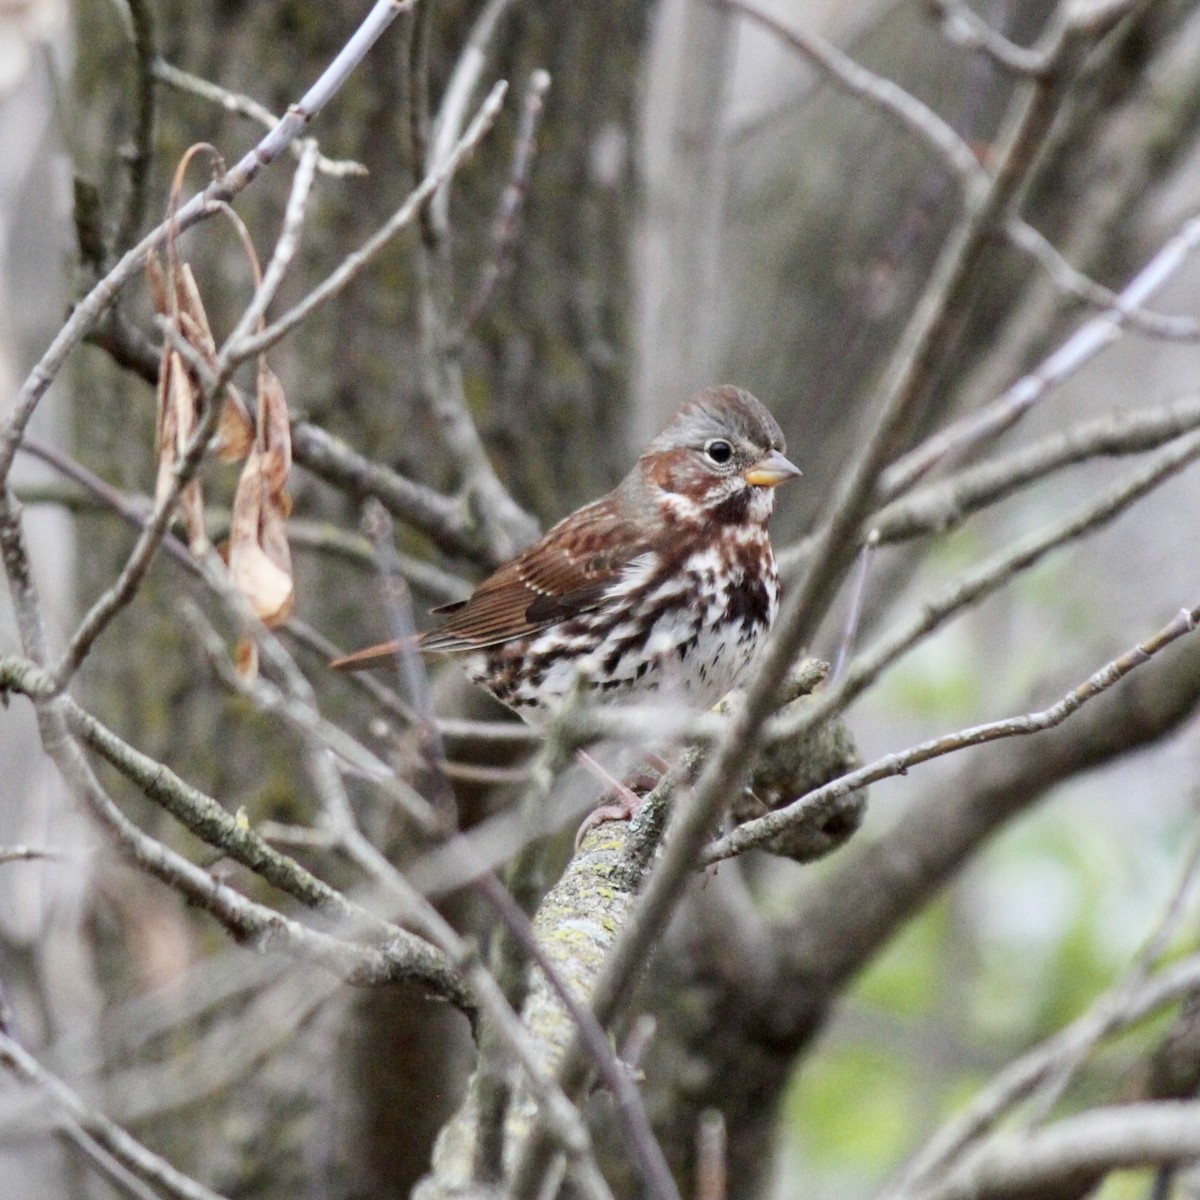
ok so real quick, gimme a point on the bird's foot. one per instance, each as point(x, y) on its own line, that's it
point(624, 802)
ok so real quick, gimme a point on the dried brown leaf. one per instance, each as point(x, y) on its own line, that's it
point(193, 318)
point(178, 419)
point(174, 386)
point(235, 430)
point(259, 558)
point(162, 398)
point(191, 505)
point(272, 534)
point(268, 588)
point(275, 429)
point(157, 281)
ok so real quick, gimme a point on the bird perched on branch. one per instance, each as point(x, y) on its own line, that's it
point(663, 588)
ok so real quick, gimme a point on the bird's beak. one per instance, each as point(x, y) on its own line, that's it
point(771, 471)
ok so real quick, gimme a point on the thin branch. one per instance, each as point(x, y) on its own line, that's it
point(983, 580)
point(417, 91)
point(354, 262)
point(441, 518)
point(1081, 347)
point(857, 597)
point(1107, 1016)
point(126, 344)
point(245, 106)
point(127, 1150)
point(508, 217)
point(217, 1056)
point(505, 526)
point(464, 81)
point(964, 27)
point(93, 306)
point(759, 831)
point(208, 820)
point(942, 506)
point(141, 156)
point(286, 245)
point(1094, 18)
point(410, 667)
point(1098, 1141)
point(712, 1154)
point(884, 94)
point(1075, 283)
point(107, 1165)
point(478, 773)
point(1050, 1089)
point(125, 586)
point(11, 854)
point(297, 711)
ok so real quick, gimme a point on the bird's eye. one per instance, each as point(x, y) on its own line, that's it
point(718, 450)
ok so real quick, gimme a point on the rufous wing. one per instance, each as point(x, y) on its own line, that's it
point(567, 572)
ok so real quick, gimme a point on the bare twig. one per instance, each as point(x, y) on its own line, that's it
point(11, 854)
point(762, 829)
point(417, 88)
point(1051, 1088)
point(125, 586)
point(1100, 1140)
point(221, 1054)
point(964, 27)
point(854, 615)
point(93, 306)
point(1076, 283)
point(441, 518)
point(294, 704)
point(983, 580)
point(942, 506)
point(508, 217)
point(245, 106)
point(1083, 345)
point(141, 154)
point(1018, 1080)
point(409, 664)
point(285, 246)
point(353, 263)
point(711, 1154)
point(127, 1151)
point(884, 94)
point(452, 113)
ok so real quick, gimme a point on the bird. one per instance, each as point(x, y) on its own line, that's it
point(664, 588)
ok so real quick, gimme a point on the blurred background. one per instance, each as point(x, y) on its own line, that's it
point(703, 207)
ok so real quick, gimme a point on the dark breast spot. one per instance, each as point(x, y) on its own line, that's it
point(749, 603)
point(733, 510)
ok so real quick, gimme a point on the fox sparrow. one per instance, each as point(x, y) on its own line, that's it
point(666, 586)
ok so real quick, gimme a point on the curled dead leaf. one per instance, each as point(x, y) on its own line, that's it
point(260, 561)
point(276, 435)
point(235, 430)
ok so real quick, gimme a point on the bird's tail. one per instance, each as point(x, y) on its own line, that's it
point(383, 655)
